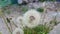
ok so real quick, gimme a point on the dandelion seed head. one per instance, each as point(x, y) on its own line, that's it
point(31, 18)
point(18, 31)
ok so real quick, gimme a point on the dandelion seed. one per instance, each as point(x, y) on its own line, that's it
point(19, 21)
point(31, 18)
point(18, 31)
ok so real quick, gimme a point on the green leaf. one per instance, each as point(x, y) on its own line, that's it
point(40, 9)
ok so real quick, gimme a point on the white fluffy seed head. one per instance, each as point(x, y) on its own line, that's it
point(31, 18)
point(18, 31)
point(19, 21)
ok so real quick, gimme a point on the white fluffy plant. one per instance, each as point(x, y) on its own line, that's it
point(18, 21)
point(32, 18)
point(18, 31)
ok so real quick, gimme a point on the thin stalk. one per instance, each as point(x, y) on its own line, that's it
point(11, 27)
point(14, 24)
point(44, 15)
point(56, 17)
point(2, 15)
point(6, 23)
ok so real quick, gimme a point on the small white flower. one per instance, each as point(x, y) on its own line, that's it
point(18, 31)
point(31, 18)
point(19, 21)
point(56, 30)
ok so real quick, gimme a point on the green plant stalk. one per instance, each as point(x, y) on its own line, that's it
point(55, 19)
point(41, 29)
point(14, 24)
point(2, 15)
point(44, 14)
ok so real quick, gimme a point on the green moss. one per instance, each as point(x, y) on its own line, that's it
point(40, 9)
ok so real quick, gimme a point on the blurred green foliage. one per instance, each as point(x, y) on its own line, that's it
point(0, 32)
point(24, 9)
point(40, 9)
point(7, 12)
point(41, 29)
point(47, 0)
point(52, 0)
